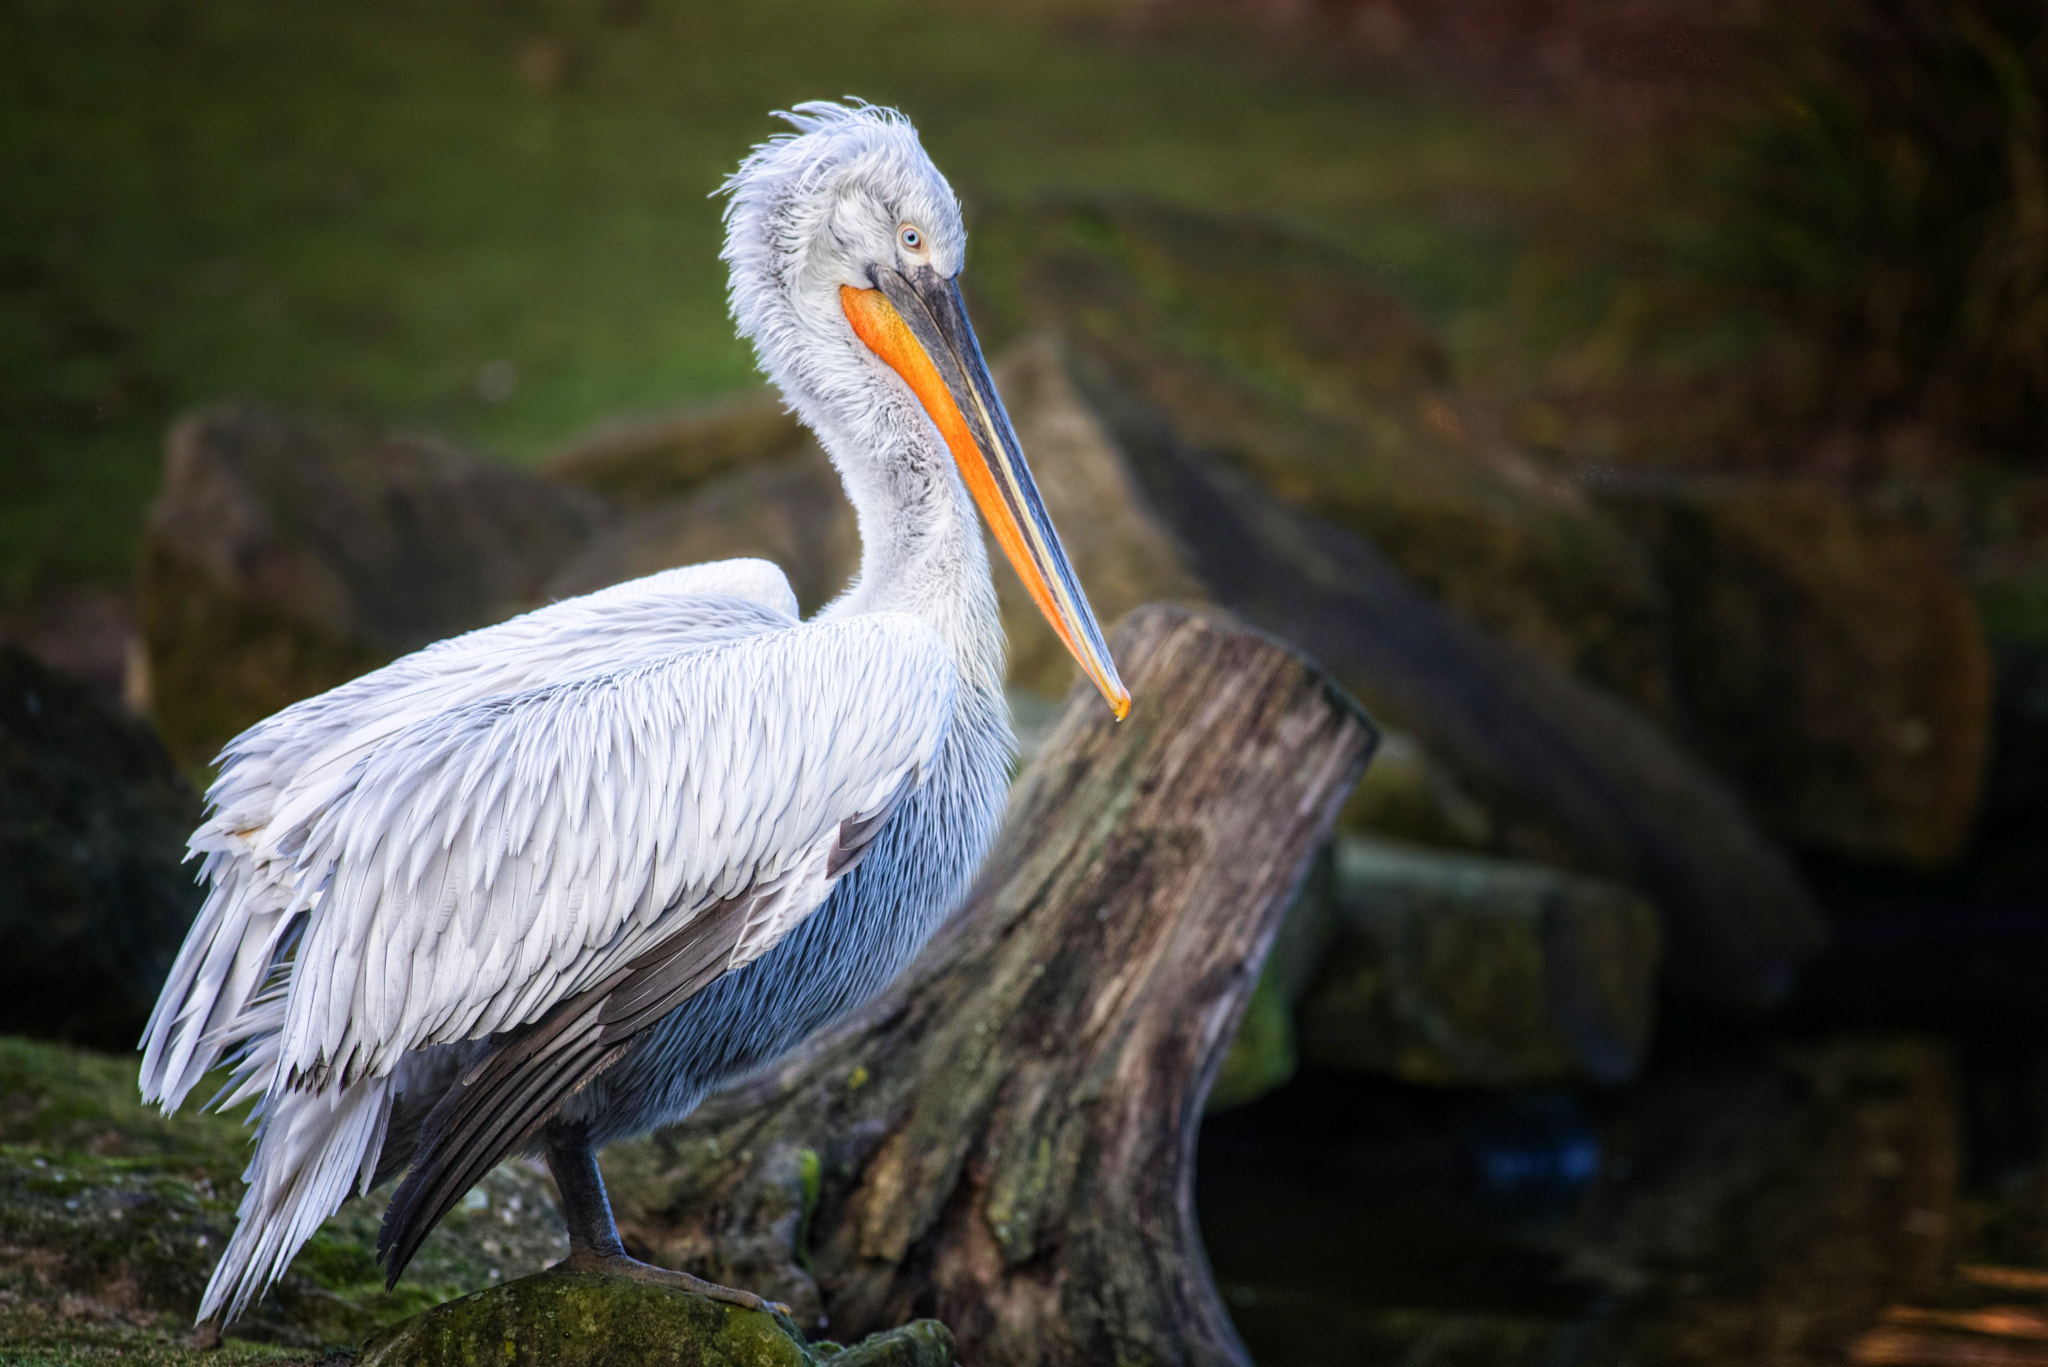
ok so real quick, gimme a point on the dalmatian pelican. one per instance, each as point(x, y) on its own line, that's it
point(543, 886)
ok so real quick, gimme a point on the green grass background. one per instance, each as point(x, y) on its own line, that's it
point(355, 206)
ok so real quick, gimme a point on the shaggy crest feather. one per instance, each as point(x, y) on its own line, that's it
point(803, 211)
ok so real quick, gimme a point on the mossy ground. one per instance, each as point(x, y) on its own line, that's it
point(64, 1103)
point(111, 1216)
point(30, 1337)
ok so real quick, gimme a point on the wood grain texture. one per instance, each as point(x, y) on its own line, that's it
point(1005, 1139)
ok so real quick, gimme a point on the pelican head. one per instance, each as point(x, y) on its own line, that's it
point(845, 246)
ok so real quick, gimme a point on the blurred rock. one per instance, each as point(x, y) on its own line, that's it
point(1289, 428)
point(1263, 1055)
point(739, 477)
point(1563, 772)
point(1825, 659)
point(1290, 364)
point(1408, 795)
point(87, 632)
point(791, 512)
point(1460, 970)
point(1123, 554)
point(640, 463)
point(94, 898)
point(286, 555)
point(586, 1319)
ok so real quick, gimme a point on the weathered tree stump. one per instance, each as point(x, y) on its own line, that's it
point(1005, 1139)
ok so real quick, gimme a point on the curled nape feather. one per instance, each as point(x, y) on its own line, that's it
point(808, 211)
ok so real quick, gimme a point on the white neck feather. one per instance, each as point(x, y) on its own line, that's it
point(808, 216)
point(921, 545)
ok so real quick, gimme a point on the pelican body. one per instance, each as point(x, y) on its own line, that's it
point(543, 886)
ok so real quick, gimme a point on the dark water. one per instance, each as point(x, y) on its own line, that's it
point(1762, 1171)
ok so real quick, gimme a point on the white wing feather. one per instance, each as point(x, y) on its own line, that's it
point(298, 755)
point(332, 818)
point(483, 865)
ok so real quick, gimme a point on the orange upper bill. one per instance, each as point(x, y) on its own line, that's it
point(878, 323)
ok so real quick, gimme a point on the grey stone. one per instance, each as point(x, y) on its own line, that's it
point(790, 511)
point(1408, 794)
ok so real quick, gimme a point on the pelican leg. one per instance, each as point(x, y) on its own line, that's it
point(594, 1244)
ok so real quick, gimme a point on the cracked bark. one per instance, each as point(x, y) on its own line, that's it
point(1005, 1139)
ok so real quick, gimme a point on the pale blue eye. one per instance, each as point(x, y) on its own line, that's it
point(912, 239)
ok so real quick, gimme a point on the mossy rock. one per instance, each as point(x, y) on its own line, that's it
point(1462, 970)
point(790, 511)
point(1409, 795)
point(1261, 1056)
point(587, 1319)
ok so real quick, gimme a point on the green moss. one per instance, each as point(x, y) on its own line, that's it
point(116, 1214)
point(32, 1337)
point(64, 1102)
point(1262, 1056)
point(570, 1319)
point(1017, 1194)
point(812, 1175)
point(106, 1221)
point(2016, 609)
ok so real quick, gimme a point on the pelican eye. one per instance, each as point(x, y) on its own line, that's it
point(911, 238)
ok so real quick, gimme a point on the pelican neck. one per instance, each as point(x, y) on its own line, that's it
point(922, 553)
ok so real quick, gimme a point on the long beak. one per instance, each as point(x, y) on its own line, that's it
point(918, 325)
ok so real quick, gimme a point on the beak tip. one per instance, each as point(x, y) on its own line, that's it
point(1119, 702)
